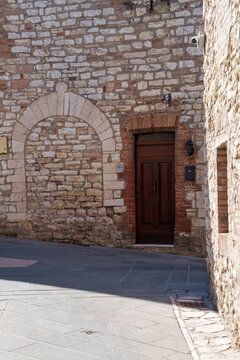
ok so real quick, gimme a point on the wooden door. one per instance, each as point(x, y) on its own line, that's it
point(155, 193)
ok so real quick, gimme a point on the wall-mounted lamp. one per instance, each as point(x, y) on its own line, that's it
point(168, 99)
point(189, 147)
point(151, 3)
point(129, 4)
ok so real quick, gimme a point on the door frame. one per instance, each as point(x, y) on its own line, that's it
point(152, 123)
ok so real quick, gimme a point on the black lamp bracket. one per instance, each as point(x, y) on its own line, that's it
point(189, 147)
point(168, 99)
point(129, 4)
point(151, 3)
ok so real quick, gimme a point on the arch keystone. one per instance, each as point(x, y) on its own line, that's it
point(61, 88)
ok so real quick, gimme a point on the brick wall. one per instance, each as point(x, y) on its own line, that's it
point(222, 101)
point(121, 62)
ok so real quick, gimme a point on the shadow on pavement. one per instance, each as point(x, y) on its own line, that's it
point(99, 270)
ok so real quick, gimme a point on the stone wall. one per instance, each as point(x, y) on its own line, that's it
point(64, 182)
point(222, 102)
point(98, 63)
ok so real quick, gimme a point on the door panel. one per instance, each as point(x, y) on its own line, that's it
point(155, 193)
point(165, 193)
point(147, 196)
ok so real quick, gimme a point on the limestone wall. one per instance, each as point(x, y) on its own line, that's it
point(222, 103)
point(92, 65)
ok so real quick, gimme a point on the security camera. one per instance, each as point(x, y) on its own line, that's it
point(194, 40)
point(199, 40)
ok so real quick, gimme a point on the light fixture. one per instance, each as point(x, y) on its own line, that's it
point(129, 4)
point(168, 99)
point(151, 3)
point(189, 147)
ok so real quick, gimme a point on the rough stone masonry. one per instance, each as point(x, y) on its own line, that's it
point(77, 80)
point(222, 102)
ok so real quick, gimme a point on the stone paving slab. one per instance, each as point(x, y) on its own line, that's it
point(44, 334)
point(204, 331)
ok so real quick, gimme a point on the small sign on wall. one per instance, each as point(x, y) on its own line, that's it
point(119, 168)
point(3, 145)
point(189, 173)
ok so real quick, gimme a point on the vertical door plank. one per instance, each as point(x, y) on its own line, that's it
point(147, 193)
point(165, 193)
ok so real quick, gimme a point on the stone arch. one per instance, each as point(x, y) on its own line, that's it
point(62, 103)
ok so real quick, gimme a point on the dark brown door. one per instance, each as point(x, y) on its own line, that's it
point(155, 193)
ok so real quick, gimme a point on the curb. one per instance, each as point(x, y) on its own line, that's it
point(184, 329)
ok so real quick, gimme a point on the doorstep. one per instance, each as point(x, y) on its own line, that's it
point(153, 245)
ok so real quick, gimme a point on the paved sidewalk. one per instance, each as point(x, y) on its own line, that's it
point(204, 330)
point(60, 301)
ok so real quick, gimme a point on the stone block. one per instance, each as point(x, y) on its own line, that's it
point(108, 194)
point(107, 134)
point(16, 217)
point(43, 104)
point(114, 185)
point(18, 196)
point(94, 192)
point(17, 146)
point(113, 202)
point(91, 114)
point(21, 206)
point(36, 108)
point(110, 177)
point(19, 155)
point(61, 88)
point(3, 145)
point(109, 168)
point(19, 187)
point(29, 118)
point(66, 103)
point(52, 104)
point(78, 107)
point(73, 98)
point(86, 110)
point(94, 119)
point(20, 178)
point(60, 103)
point(19, 132)
point(108, 145)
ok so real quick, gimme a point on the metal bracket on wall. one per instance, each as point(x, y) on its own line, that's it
point(151, 3)
point(168, 99)
point(129, 4)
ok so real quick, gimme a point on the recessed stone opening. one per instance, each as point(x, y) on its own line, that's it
point(222, 189)
point(64, 179)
